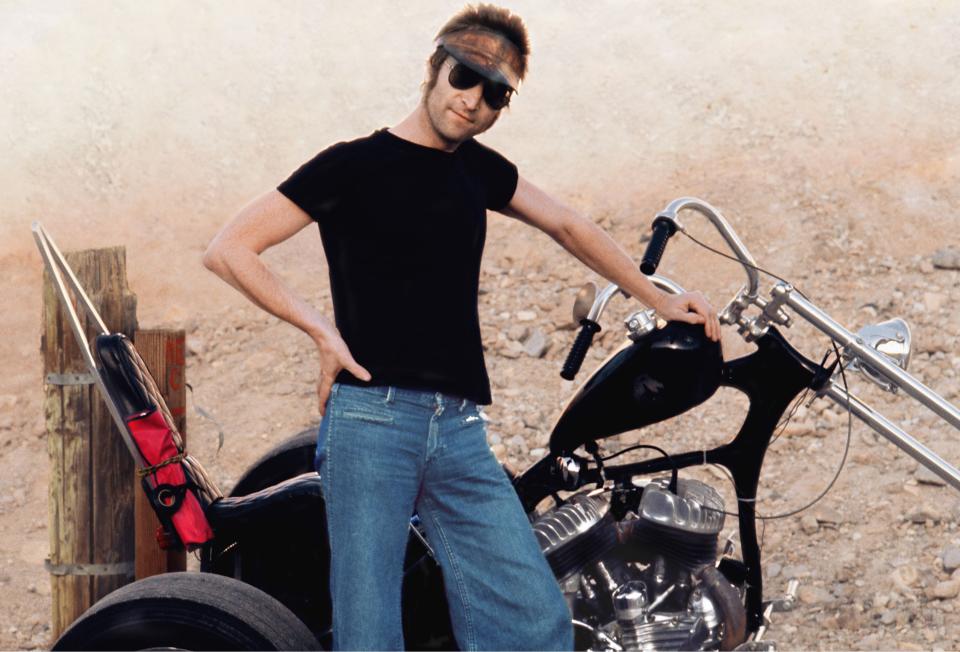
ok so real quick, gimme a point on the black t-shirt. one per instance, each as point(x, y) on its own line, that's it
point(403, 228)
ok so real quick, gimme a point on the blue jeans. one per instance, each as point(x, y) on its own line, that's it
point(385, 452)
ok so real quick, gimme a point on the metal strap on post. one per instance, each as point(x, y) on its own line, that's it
point(120, 568)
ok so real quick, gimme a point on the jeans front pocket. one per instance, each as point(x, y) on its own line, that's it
point(368, 415)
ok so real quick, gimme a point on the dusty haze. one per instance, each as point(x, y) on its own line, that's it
point(815, 126)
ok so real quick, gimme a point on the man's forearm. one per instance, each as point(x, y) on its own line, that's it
point(244, 270)
point(601, 253)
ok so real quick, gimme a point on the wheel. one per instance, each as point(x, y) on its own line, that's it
point(189, 611)
point(286, 558)
point(286, 460)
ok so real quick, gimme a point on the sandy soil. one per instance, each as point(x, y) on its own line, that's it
point(827, 132)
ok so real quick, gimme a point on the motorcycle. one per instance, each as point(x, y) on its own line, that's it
point(635, 547)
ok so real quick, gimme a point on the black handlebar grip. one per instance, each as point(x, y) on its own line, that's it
point(663, 229)
point(579, 349)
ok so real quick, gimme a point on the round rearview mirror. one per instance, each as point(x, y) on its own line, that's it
point(584, 301)
point(890, 338)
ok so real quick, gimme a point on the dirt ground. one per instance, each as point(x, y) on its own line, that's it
point(827, 133)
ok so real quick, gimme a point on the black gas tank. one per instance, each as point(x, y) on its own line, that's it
point(663, 374)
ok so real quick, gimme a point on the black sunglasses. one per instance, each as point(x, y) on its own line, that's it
point(495, 94)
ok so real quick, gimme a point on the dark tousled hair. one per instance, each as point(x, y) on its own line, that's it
point(491, 17)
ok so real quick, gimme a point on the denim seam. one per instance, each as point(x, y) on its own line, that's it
point(328, 481)
point(461, 586)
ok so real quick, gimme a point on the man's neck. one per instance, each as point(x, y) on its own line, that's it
point(417, 128)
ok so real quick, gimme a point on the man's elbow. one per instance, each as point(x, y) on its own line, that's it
point(213, 258)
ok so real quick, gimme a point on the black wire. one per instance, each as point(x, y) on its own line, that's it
point(796, 406)
point(745, 264)
point(635, 447)
point(784, 421)
point(843, 461)
point(846, 448)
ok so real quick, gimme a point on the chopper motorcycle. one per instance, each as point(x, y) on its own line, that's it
point(634, 547)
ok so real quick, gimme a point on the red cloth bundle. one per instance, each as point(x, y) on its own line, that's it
point(155, 441)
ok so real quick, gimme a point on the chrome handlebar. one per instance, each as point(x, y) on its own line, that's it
point(772, 312)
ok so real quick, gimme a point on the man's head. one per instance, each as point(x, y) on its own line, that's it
point(479, 61)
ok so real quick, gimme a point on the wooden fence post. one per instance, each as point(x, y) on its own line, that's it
point(90, 501)
point(163, 353)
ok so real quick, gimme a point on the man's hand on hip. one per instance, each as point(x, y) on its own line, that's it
point(334, 356)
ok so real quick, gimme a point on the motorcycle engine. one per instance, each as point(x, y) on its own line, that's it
point(647, 581)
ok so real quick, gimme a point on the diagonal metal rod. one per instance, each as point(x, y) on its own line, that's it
point(895, 435)
point(879, 362)
point(46, 244)
point(55, 262)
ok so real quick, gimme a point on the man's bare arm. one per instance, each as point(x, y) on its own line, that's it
point(234, 256)
point(598, 251)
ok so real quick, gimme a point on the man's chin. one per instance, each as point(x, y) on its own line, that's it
point(455, 134)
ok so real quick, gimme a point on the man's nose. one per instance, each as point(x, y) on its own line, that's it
point(472, 97)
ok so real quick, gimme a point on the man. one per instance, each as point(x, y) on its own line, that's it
point(402, 217)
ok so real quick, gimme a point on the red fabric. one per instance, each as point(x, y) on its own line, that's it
point(155, 441)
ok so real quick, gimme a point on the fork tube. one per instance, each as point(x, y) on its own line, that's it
point(877, 361)
point(895, 435)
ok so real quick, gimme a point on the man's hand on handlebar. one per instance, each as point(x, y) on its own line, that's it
point(692, 308)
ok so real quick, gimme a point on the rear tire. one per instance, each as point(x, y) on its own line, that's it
point(286, 460)
point(190, 611)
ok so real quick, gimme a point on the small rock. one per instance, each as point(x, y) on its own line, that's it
point(537, 452)
point(512, 350)
point(888, 617)
point(809, 524)
point(493, 438)
point(950, 558)
point(284, 388)
point(800, 429)
point(869, 642)
point(196, 346)
point(813, 595)
point(923, 514)
point(518, 332)
point(499, 450)
point(773, 570)
point(945, 590)
point(828, 516)
point(533, 419)
point(946, 259)
point(905, 578)
point(795, 571)
point(526, 315)
point(517, 441)
point(933, 301)
point(924, 475)
point(537, 344)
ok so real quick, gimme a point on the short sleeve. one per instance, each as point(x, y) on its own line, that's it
point(498, 174)
point(317, 185)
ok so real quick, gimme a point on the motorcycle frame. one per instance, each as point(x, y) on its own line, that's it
point(771, 377)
